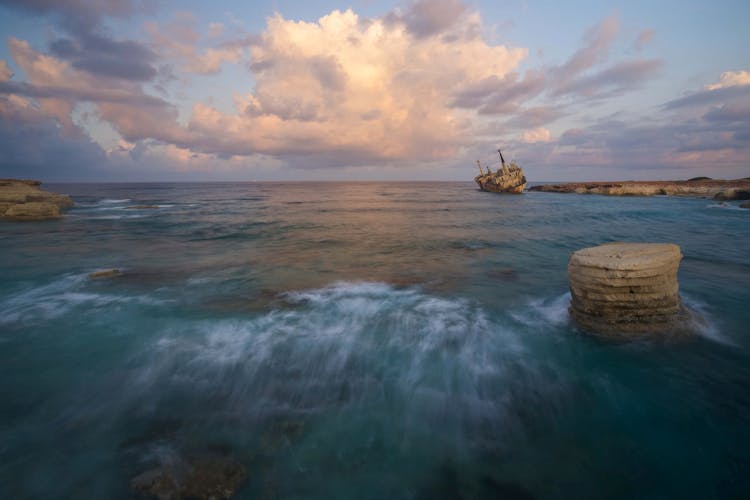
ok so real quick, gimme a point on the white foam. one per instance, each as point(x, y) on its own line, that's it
point(361, 334)
point(549, 311)
point(701, 321)
point(108, 200)
point(55, 299)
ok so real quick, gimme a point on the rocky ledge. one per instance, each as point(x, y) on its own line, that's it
point(701, 187)
point(24, 200)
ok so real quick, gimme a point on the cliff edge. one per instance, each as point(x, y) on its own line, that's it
point(24, 200)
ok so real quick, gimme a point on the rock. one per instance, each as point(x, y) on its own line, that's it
point(201, 478)
point(35, 210)
point(105, 273)
point(24, 200)
point(696, 187)
point(733, 194)
point(744, 205)
point(626, 289)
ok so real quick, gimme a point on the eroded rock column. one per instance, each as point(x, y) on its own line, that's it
point(626, 288)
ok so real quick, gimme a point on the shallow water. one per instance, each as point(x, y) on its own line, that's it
point(364, 340)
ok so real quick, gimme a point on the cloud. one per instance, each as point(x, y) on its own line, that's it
point(33, 145)
point(80, 13)
point(5, 72)
point(597, 42)
point(644, 38)
point(495, 95)
point(58, 87)
point(425, 18)
point(414, 86)
point(178, 40)
point(104, 56)
point(732, 86)
point(731, 79)
point(368, 91)
point(539, 134)
point(620, 77)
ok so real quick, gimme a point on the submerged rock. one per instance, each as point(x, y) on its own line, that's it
point(744, 205)
point(23, 200)
point(626, 289)
point(201, 478)
point(105, 273)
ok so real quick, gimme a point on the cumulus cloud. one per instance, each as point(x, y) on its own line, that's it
point(58, 87)
point(366, 88)
point(419, 84)
point(731, 79)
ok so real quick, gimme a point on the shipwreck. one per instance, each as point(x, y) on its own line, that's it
point(508, 178)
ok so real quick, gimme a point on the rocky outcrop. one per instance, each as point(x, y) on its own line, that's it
point(698, 187)
point(626, 289)
point(34, 210)
point(24, 200)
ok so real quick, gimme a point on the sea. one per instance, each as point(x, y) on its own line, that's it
point(365, 340)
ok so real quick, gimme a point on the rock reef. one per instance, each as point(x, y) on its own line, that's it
point(718, 189)
point(626, 289)
point(24, 200)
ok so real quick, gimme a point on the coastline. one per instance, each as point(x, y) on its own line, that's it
point(718, 189)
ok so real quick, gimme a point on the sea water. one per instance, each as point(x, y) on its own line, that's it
point(364, 340)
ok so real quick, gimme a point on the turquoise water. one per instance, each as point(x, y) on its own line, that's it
point(364, 340)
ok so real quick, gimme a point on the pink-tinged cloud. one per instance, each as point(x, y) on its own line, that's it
point(356, 86)
point(539, 134)
point(178, 40)
point(644, 38)
point(731, 79)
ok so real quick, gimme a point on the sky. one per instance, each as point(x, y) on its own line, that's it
point(148, 90)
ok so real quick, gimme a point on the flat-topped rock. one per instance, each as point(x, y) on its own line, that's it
point(626, 289)
point(24, 200)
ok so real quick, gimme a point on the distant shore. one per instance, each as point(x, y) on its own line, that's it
point(700, 187)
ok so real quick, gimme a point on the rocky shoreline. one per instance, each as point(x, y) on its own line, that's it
point(701, 187)
point(24, 200)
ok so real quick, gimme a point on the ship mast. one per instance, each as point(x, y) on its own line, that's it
point(502, 160)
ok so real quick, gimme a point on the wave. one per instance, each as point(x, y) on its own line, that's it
point(544, 312)
point(348, 344)
point(58, 298)
point(112, 200)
